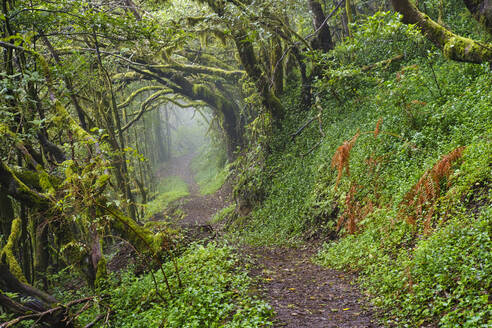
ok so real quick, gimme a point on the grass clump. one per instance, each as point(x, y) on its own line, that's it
point(169, 190)
point(223, 214)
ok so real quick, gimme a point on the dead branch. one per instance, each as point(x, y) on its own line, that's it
point(40, 315)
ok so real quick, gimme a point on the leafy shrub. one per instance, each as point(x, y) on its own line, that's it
point(223, 214)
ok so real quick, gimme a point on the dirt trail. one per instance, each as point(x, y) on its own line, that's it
point(302, 294)
point(198, 208)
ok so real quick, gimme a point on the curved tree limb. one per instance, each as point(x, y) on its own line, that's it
point(144, 106)
point(137, 92)
point(13, 186)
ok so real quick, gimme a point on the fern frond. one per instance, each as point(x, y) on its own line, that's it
point(378, 125)
point(421, 199)
point(341, 157)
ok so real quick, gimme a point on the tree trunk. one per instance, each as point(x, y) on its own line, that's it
point(306, 96)
point(323, 40)
point(453, 46)
point(253, 68)
point(481, 10)
point(277, 66)
point(160, 146)
point(6, 214)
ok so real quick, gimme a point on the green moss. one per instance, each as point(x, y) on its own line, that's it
point(141, 238)
point(20, 190)
point(465, 49)
point(7, 254)
point(101, 273)
point(139, 91)
point(127, 76)
point(44, 181)
point(454, 47)
point(63, 117)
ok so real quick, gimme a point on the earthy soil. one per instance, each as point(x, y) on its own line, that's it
point(302, 293)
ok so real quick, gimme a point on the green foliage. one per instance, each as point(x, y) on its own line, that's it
point(223, 214)
point(454, 15)
point(215, 293)
point(168, 190)
point(209, 169)
point(377, 38)
point(428, 107)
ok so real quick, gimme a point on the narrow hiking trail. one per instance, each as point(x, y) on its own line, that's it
point(301, 293)
point(198, 208)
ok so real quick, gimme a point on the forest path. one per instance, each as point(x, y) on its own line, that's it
point(302, 293)
point(198, 208)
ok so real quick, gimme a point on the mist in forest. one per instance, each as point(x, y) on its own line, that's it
point(183, 130)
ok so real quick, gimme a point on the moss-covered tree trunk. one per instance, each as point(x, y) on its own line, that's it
point(6, 214)
point(252, 66)
point(160, 140)
point(453, 46)
point(41, 246)
point(277, 66)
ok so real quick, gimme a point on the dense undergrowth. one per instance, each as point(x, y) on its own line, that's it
point(391, 125)
point(214, 292)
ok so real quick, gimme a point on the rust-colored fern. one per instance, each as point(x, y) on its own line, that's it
point(341, 157)
point(349, 216)
point(378, 126)
point(421, 199)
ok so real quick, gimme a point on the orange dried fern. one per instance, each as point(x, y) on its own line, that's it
point(341, 157)
point(421, 199)
point(378, 126)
